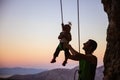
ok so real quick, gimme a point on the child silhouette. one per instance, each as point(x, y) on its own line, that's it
point(65, 38)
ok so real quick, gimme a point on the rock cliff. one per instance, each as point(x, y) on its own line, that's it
point(112, 54)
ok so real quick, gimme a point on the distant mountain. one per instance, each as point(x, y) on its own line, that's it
point(99, 73)
point(57, 74)
point(6, 72)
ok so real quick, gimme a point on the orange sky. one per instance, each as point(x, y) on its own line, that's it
point(32, 55)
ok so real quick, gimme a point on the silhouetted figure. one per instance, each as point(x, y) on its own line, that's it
point(65, 38)
point(87, 61)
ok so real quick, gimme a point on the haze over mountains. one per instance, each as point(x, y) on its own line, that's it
point(6, 72)
point(56, 74)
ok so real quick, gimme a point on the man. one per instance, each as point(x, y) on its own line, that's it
point(87, 61)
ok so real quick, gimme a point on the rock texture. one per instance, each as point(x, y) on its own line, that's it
point(112, 54)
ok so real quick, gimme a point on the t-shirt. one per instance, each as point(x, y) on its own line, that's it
point(87, 70)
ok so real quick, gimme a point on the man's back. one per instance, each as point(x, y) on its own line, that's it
point(87, 70)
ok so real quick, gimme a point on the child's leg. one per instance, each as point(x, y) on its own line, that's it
point(67, 54)
point(58, 49)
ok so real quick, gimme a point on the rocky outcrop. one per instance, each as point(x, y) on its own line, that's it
point(112, 54)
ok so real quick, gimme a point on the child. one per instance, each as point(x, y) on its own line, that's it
point(65, 38)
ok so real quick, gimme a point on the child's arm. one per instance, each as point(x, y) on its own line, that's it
point(61, 35)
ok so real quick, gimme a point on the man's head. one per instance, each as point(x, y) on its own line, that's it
point(90, 46)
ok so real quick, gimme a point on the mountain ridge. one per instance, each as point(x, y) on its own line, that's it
point(6, 72)
point(57, 74)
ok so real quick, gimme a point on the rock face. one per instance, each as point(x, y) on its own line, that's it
point(112, 54)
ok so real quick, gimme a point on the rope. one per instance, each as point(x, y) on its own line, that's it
point(78, 34)
point(78, 25)
point(61, 11)
point(75, 74)
point(78, 28)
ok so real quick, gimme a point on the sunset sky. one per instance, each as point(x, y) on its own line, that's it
point(29, 31)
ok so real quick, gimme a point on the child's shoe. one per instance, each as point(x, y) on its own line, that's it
point(53, 61)
point(64, 63)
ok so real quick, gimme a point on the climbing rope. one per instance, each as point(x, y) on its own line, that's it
point(78, 25)
point(78, 28)
point(78, 19)
point(75, 74)
point(61, 11)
